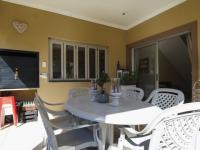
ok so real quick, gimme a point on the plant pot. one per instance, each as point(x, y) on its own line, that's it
point(102, 98)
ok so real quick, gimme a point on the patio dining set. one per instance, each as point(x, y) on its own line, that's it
point(161, 122)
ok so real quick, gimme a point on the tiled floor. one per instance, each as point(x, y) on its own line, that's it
point(28, 136)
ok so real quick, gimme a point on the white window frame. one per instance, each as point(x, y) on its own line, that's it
point(96, 61)
point(51, 60)
point(106, 60)
point(80, 45)
point(132, 59)
point(63, 60)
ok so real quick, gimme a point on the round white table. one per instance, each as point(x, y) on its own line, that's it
point(129, 112)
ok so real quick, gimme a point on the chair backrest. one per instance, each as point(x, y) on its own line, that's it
point(51, 139)
point(40, 101)
point(166, 98)
point(133, 92)
point(78, 92)
point(178, 128)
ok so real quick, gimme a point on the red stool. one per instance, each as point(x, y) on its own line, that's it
point(8, 107)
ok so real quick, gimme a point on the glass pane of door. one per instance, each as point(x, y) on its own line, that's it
point(81, 62)
point(102, 61)
point(69, 61)
point(175, 65)
point(144, 67)
point(92, 63)
point(56, 61)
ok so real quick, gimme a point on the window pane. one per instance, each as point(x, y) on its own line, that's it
point(69, 62)
point(56, 53)
point(101, 61)
point(81, 62)
point(92, 62)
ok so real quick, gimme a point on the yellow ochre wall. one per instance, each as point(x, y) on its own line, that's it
point(43, 24)
point(182, 14)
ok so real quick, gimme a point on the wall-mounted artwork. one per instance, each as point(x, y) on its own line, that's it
point(144, 65)
point(119, 73)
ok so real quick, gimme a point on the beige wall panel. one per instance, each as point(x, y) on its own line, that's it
point(42, 25)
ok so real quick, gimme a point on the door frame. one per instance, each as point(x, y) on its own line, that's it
point(156, 77)
point(190, 27)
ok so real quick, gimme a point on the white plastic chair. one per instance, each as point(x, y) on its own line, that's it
point(53, 113)
point(166, 98)
point(133, 92)
point(77, 92)
point(177, 128)
point(63, 121)
point(76, 137)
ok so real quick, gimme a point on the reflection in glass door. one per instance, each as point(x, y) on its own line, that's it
point(165, 64)
point(175, 64)
point(145, 67)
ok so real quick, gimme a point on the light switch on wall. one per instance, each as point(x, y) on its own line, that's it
point(44, 64)
point(43, 75)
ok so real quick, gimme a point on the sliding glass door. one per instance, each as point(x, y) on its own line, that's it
point(175, 69)
point(145, 59)
point(164, 64)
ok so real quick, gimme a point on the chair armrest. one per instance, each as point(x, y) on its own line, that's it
point(131, 131)
point(72, 127)
point(148, 100)
point(147, 130)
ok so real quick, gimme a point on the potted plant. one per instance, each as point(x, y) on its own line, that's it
point(102, 97)
point(129, 79)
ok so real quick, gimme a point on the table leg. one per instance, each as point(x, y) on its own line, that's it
point(106, 136)
point(101, 139)
point(110, 134)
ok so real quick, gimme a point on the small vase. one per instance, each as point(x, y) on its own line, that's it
point(93, 95)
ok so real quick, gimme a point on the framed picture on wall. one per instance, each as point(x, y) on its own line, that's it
point(119, 73)
point(144, 65)
point(125, 73)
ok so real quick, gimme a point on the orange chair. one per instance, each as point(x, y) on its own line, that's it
point(8, 107)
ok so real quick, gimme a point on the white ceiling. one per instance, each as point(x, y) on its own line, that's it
point(106, 12)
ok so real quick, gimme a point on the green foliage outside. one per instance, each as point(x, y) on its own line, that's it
point(129, 79)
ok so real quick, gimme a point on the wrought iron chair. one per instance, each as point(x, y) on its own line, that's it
point(176, 128)
point(166, 98)
point(75, 137)
point(133, 92)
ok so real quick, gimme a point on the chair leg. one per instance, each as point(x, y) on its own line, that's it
point(121, 140)
point(2, 119)
point(102, 134)
point(1, 115)
point(15, 118)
